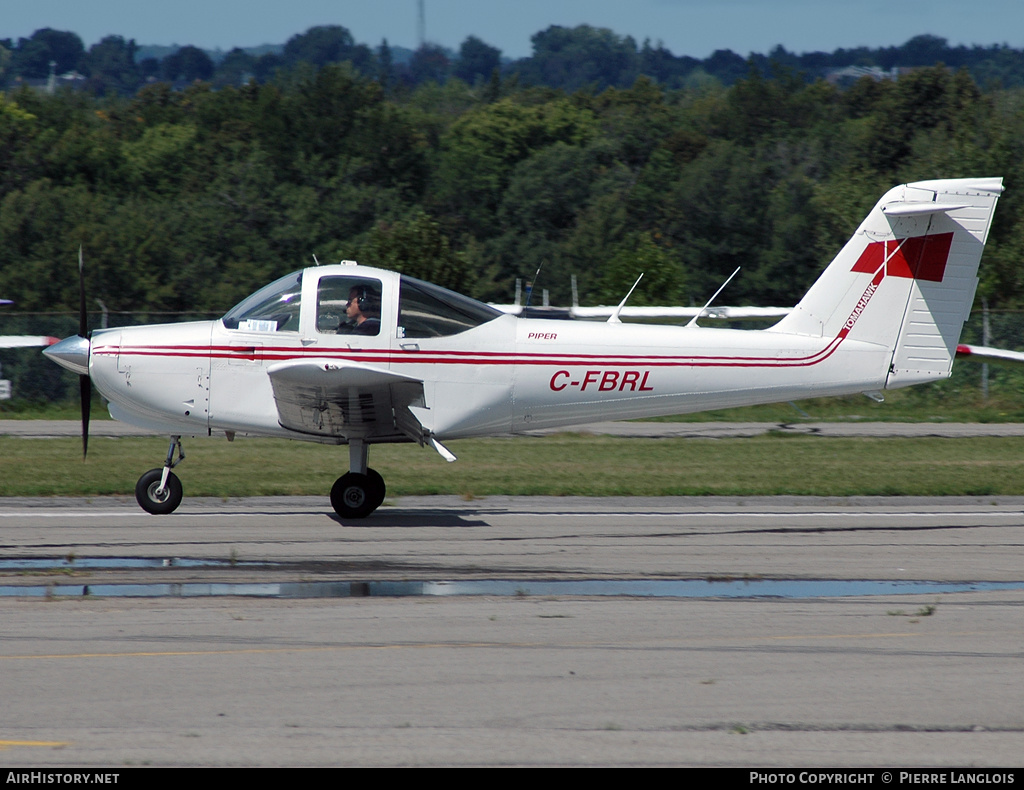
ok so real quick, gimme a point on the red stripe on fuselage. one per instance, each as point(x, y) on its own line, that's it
point(466, 358)
point(439, 357)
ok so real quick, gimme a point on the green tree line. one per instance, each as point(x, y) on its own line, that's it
point(189, 199)
point(570, 59)
point(185, 201)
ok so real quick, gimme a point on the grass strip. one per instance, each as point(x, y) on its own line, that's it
point(560, 465)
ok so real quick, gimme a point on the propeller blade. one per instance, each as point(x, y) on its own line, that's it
point(84, 384)
point(83, 315)
point(85, 394)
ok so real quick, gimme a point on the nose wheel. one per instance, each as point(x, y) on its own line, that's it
point(356, 495)
point(159, 490)
point(156, 498)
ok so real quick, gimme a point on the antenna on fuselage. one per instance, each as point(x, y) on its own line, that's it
point(693, 321)
point(531, 284)
point(614, 317)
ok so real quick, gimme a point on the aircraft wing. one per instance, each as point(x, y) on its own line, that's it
point(729, 313)
point(996, 356)
point(652, 312)
point(26, 341)
point(350, 400)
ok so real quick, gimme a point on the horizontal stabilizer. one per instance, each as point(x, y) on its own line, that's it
point(920, 208)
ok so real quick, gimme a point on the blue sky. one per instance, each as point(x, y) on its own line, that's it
point(686, 27)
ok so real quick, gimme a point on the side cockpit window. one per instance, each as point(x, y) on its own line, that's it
point(348, 306)
point(426, 310)
point(273, 308)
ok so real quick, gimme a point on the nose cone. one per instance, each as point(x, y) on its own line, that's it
point(71, 353)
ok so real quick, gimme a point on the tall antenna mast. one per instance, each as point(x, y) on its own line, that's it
point(421, 24)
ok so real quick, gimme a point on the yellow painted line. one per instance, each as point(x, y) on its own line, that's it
point(9, 744)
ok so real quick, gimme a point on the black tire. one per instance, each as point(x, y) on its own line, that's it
point(145, 493)
point(380, 490)
point(356, 496)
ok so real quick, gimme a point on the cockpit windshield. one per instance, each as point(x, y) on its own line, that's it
point(350, 304)
point(274, 308)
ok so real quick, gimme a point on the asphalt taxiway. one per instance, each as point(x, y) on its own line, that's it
point(518, 679)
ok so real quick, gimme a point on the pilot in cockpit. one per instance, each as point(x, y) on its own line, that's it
point(363, 312)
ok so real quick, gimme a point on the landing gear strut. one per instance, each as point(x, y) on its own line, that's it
point(159, 490)
point(360, 491)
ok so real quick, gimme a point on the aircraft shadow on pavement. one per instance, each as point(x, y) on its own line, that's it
point(412, 518)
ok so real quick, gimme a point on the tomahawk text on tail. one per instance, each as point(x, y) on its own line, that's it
point(428, 365)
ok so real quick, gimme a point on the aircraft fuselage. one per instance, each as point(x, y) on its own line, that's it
point(503, 377)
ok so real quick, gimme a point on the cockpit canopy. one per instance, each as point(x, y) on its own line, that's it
point(273, 308)
point(354, 304)
point(427, 310)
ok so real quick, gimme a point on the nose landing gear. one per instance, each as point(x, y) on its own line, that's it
point(159, 490)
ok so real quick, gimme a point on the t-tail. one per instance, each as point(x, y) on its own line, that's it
point(907, 277)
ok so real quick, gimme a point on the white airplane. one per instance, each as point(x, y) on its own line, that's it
point(348, 354)
point(20, 341)
point(24, 341)
point(995, 356)
point(27, 341)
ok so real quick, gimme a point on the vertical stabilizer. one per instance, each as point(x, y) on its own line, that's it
point(907, 277)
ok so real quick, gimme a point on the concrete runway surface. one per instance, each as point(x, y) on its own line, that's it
point(908, 680)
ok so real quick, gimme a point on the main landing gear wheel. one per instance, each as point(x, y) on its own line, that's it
point(380, 489)
point(357, 496)
point(152, 499)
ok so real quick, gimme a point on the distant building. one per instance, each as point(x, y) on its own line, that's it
point(71, 79)
point(848, 75)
